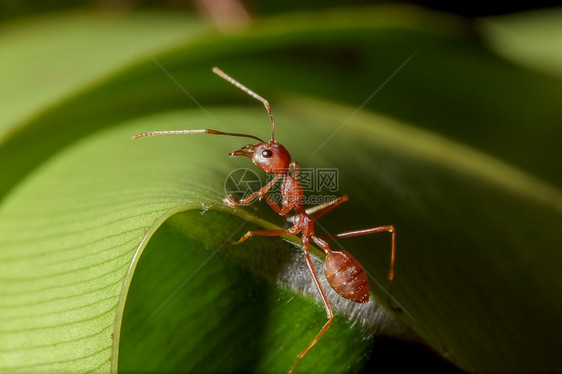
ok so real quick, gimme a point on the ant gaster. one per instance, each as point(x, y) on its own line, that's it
point(343, 271)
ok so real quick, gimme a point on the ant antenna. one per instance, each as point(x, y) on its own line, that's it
point(203, 131)
point(228, 78)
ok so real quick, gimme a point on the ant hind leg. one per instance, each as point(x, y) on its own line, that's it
point(375, 230)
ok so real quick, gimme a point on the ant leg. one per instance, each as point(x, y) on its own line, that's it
point(375, 230)
point(290, 231)
point(320, 210)
point(258, 194)
point(249, 234)
point(329, 312)
point(281, 210)
point(327, 306)
point(322, 244)
point(276, 208)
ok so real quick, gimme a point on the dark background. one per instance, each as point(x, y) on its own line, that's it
point(469, 9)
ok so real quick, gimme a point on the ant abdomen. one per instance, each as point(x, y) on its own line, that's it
point(347, 276)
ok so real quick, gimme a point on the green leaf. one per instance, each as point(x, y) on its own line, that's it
point(107, 261)
point(529, 38)
point(40, 72)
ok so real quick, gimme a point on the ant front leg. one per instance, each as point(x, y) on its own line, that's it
point(276, 208)
point(258, 194)
point(375, 230)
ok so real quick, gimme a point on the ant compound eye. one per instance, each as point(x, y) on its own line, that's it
point(267, 153)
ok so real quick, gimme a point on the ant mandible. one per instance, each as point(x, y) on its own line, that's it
point(343, 271)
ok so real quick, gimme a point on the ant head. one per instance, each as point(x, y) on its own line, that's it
point(269, 156)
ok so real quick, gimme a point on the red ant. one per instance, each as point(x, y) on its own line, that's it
point(343, 271)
